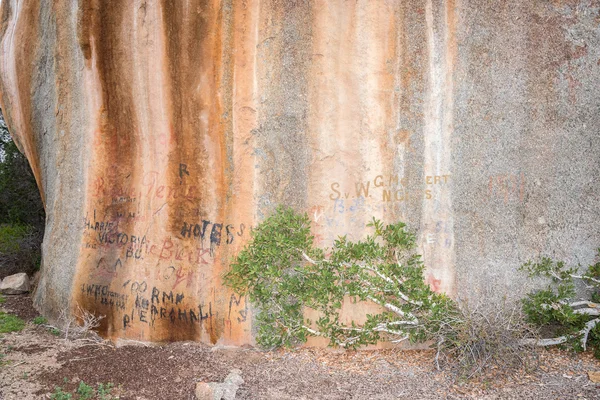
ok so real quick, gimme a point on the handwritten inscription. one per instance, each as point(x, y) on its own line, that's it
point(199, 231)
point(106, 296)
point(151, 305)
point(508, 187)
point(151, 187)
point(388, 189)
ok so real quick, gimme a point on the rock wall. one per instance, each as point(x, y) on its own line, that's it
point(161, 132)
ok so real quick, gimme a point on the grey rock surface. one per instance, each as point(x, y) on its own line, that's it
point(225, 390)
point(15, 284)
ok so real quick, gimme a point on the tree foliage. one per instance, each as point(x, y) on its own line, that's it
point(21, 210)
point(283, 273)
point(20, 201)
point(558, 309)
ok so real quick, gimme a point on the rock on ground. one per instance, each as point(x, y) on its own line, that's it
point(15, 284)
point(220, 391)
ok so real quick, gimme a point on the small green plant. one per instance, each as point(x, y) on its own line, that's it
point(40, 320)
point(2, 299)
point(54, 331)
point(104, 391)
point(85, 391)
point(10, 323)
point(60, 395)
point(572, 321)
point(283, 273)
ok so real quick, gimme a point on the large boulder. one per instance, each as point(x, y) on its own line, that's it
point(15, 284)
point(160, 132)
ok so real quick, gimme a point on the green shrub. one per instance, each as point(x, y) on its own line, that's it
point(40, 320)
point(283, 273)
point(572, 321)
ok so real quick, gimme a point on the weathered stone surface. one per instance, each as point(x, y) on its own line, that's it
point(161, 132)
point(15, 284)
point(204, 391)
point(594, 376)
point(220, 391)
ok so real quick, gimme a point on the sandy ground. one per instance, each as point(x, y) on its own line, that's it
point(34, 362)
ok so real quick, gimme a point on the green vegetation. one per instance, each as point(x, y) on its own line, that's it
point(85, 392)
point(40, 320)
point(20, 201)
point(60, 395)
point(19, 249)
point(283, 273)
point(2, 299)
point(21, 211)
point(574, 322)
point(104, 391)
point(11, 236)
point(10, 323)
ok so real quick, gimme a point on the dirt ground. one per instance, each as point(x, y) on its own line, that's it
point(34, 362)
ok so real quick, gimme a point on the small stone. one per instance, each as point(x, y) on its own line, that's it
point(594, 376)
point(220, 391)
point(204, 391)
point(15, 284)
point(178, 379)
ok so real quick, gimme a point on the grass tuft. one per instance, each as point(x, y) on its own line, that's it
point(10, 323)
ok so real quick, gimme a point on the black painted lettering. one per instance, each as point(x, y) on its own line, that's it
point(193, 317)
point(183, 170)
point(167, 296)
point(155, 293)
point(229, 229)
point(215, 234)
point(205, 224)
point(186, 231)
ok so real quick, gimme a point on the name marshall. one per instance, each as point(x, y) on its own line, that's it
point(148, 311)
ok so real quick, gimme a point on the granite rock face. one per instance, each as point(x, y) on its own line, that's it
point(161, 132)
